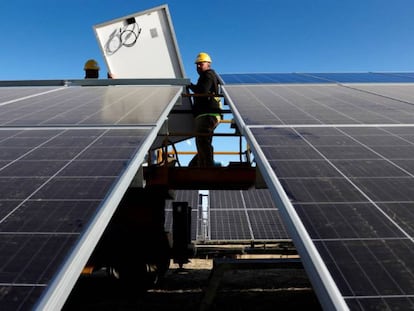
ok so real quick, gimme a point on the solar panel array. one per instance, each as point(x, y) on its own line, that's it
point(67, 156)
point(336, 152)
point(232, 215)
point(340, 77)
point(244, 215)
point(338, 158)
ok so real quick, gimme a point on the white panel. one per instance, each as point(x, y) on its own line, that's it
point(141, 45)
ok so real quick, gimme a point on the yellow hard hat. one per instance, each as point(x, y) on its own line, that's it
point(202, 57)
point(91, 64)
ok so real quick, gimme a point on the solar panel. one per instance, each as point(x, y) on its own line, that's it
point(90, 106)
point(367, 77)
point(67, 156)
point(338, 160)
point(9, 94)
point(350, 77)
point(252, 78)
point(244, 215)
point(317, 104)
point(401, 92)
point(231, 215)
point(230, 225)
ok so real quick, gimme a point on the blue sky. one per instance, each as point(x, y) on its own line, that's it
point(50, 39)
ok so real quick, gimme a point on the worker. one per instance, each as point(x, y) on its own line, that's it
point(91, 69)
point(206, 110)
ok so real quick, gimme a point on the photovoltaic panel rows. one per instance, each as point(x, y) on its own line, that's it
point(289, 78)
point(366, 77)
point(49, 195)
point(244, 215)
point(88, 106)
point(9, 94)
point(339, 162)
point(316, 105)
point(249, 78)
point(232, 215)
point(67, 156)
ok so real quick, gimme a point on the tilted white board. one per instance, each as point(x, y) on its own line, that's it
point(141, 45)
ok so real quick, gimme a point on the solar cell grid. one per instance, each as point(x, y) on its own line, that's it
point(267, 225)
point(269, 78)
point(347, 175)
point(403, 93)
point(320, 104)
point(90, 106)
point(49, 216)
point(368, 77)
point(8, 94)
point(231, 216)
point(345, 220)
point(366, 167)
point(402, 213)
point(350, 77)
point(44, 250)
point(28, 177)
point(225, 199)
point(350, 183)
point(22, 297)
point(369, 168)
point(298, 168)
point(407, 165)
point(57, 177)
point(244, 215)
point(257, 198)
point(189, 196)
point(364, 269)
point(403, 74)
point(229, 225)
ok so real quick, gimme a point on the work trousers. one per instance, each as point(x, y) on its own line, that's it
point(205, 126)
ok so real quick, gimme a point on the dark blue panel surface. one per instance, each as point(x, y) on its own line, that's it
point(352, 188)
point(246, 214)
point(320, 104)
point(339, 154)
point(351, 77)
point(67, 155)
point(363, 77)
point(267, 224)
point(232, 215)
point(51, 186)
point(365, 269)
point(255, 78)
point(8, 94)
point(229, 225)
